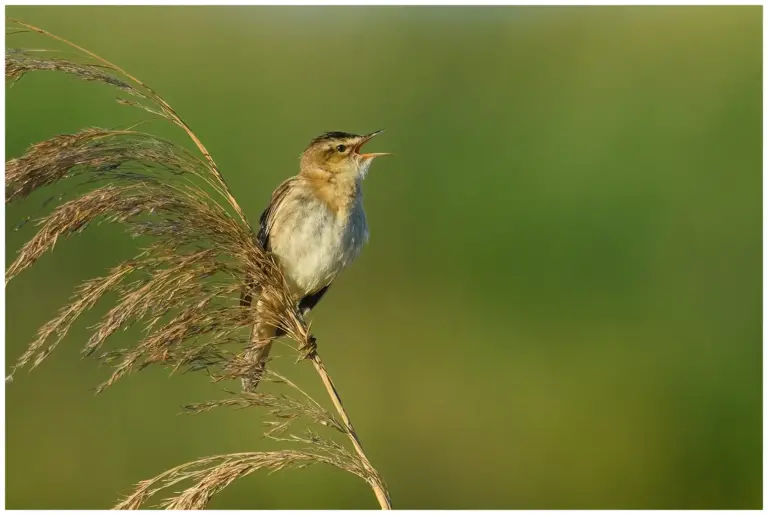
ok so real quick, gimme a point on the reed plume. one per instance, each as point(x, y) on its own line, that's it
point(183, 288)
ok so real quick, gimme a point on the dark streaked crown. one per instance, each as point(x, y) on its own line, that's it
point(332, 136)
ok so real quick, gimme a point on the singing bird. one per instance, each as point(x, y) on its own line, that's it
point(314, 225)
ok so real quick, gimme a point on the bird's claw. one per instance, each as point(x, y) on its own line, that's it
point(309, 348)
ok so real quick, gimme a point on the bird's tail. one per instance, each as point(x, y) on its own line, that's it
point(257, 355)
point(262, 336)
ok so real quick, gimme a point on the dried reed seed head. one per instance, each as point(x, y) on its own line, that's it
point(19, 62)
point(106, 154)
point(211, 475)
point(281, 406)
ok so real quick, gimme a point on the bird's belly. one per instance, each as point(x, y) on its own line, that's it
point(316, 244)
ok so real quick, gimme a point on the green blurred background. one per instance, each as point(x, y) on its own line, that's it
point(560, 304)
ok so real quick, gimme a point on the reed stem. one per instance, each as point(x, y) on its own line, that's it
point(378, 488)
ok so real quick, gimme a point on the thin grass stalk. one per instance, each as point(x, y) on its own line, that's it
point(378, 488)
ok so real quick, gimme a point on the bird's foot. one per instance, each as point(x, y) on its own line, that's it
point(309, 348)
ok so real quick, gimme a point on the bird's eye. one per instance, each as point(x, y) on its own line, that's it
point(341, 148)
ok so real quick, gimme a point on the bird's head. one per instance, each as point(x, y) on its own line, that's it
point(339, 153)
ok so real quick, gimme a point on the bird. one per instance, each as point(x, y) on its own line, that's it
point(314, 226)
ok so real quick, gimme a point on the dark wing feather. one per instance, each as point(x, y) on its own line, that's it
point(265, 224)
point(311, 300)
point(266, 219)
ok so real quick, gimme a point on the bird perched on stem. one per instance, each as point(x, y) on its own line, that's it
point(314, 226)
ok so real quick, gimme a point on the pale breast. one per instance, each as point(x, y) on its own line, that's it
point(313, 243)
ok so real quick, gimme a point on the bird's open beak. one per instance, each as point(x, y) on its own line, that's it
point(366, 139)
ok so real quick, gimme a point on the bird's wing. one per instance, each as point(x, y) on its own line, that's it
point(266, 222)
point(310, 301)
point(267, 218)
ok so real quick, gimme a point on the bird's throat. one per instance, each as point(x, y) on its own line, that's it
point(337, 191)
